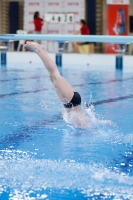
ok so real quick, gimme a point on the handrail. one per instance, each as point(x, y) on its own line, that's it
point(62, 38)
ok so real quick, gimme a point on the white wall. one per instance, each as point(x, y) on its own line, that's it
point(69, 59)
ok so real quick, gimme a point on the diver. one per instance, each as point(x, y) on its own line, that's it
point(70, 98)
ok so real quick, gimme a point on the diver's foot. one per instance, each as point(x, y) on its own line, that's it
point(33, 46)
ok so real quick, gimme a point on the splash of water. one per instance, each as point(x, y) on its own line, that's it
point(25, 175)
point(95, 121)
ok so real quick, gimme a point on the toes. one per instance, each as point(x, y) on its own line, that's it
point(28, 42)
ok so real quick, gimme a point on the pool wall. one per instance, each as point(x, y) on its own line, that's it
point(70, 59)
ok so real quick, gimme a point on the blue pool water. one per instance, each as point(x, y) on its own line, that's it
point(41, 157)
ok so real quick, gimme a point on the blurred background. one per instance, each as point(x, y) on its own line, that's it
point(103, 17)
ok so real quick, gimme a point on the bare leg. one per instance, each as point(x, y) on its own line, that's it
point(63, 88)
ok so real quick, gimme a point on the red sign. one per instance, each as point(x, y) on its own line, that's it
point(53, 31)
point(31, 13)
point(73, 4)
point(53, 3)
point(117, 22)
point(34, 3)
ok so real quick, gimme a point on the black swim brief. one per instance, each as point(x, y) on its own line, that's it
point(76, 101)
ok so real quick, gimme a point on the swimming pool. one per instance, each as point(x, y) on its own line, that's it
point(41, 157)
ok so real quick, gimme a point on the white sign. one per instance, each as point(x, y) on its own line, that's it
point(59, 18)
point(70, 18)
point(118, 2)
point(58, 15)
